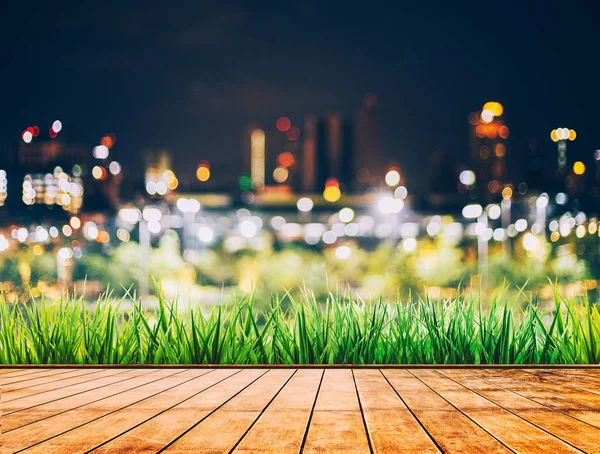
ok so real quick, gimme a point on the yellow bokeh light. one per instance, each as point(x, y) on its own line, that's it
point(507, 193)
point(280, 174)
point(97, 172)
point(75, 222)
point(173, 183)
point(202, 173)
point(572, 134)
point(554, 136)
point(579, 168)
point(332, 194)
point(495, 107)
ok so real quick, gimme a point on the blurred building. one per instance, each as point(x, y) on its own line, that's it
point(367, 170)
point(328, 152)
point(488, 135)
point(41, 176)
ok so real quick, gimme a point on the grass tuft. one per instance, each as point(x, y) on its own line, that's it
point(340, 330)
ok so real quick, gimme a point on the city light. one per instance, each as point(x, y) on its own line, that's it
point(530, 242)
point(304, 204)
point(130, 215)
point(390, 205)
point(409, 244)
point(494, 107)
point(283, 124)
point(75, 222)
point(57, 126)
point(487, 116)
point(280, 174)
point(494, 211)
point(27, 136)
point(467, 177)
point(472, 211)
point(202, 173)
point(248, 228)
point(114, 168)
point(343, 252)
point(392, 178)
point(400, 192)
point(579, 168)
point(257, 158)
point(205, 234)
point(100, 152)
point(563, 134)
point(346, 214)
point(332, 193)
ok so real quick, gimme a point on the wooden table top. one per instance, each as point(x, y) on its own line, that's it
point(281, 410)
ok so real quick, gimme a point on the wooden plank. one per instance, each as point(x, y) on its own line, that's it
point(589, 383)
point(571, 430)
point(586, 397)
point(390, 425)
point(68, 399)
point(42, 430)
point(8, 379)
point(89, 436)
point(35, 387)
point(337, 424)
point(293, 406)
point(221, 430)
point(512, 431)
point(462, 435)
point(557, 401)
point(156, 433)
point(5, 371)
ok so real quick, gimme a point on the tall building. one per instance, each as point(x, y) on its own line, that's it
point(328, 152)
point(367, 168)
point(488, 144)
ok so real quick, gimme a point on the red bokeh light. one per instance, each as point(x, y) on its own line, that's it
point(293, 133)
point(106, 141)
point(52, 133)
point(31, 130)
point(283, 124)
point(286, 159)
point(332, 182)
point(36, 131)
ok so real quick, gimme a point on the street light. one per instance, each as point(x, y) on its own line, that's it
point(561, 135)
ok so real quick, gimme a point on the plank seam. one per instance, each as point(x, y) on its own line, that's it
point(212, 411)
point(531, 399)
point(362, 413)
point(163, 411)
point(121, 408)
point(312, 410)
point(262, 412)
point(464, 414)
point(412, 412)
point(510, 411)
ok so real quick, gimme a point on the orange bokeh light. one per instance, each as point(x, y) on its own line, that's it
point(286, 159)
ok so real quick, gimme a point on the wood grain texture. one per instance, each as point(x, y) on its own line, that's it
point(304, 409)
point(337, 424)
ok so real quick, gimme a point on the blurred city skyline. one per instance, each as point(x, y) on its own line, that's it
point(191, 80)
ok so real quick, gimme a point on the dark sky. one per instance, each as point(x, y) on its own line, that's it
point(190, 76)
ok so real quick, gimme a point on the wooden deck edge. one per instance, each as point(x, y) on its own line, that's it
point(300, 366)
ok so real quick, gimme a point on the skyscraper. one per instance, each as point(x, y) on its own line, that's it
point(488, 134)
point(367, 169)
point(328, 151)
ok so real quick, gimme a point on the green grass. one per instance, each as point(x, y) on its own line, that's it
point(339, 330)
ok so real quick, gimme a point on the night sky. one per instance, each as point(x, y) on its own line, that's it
point(190, 78)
